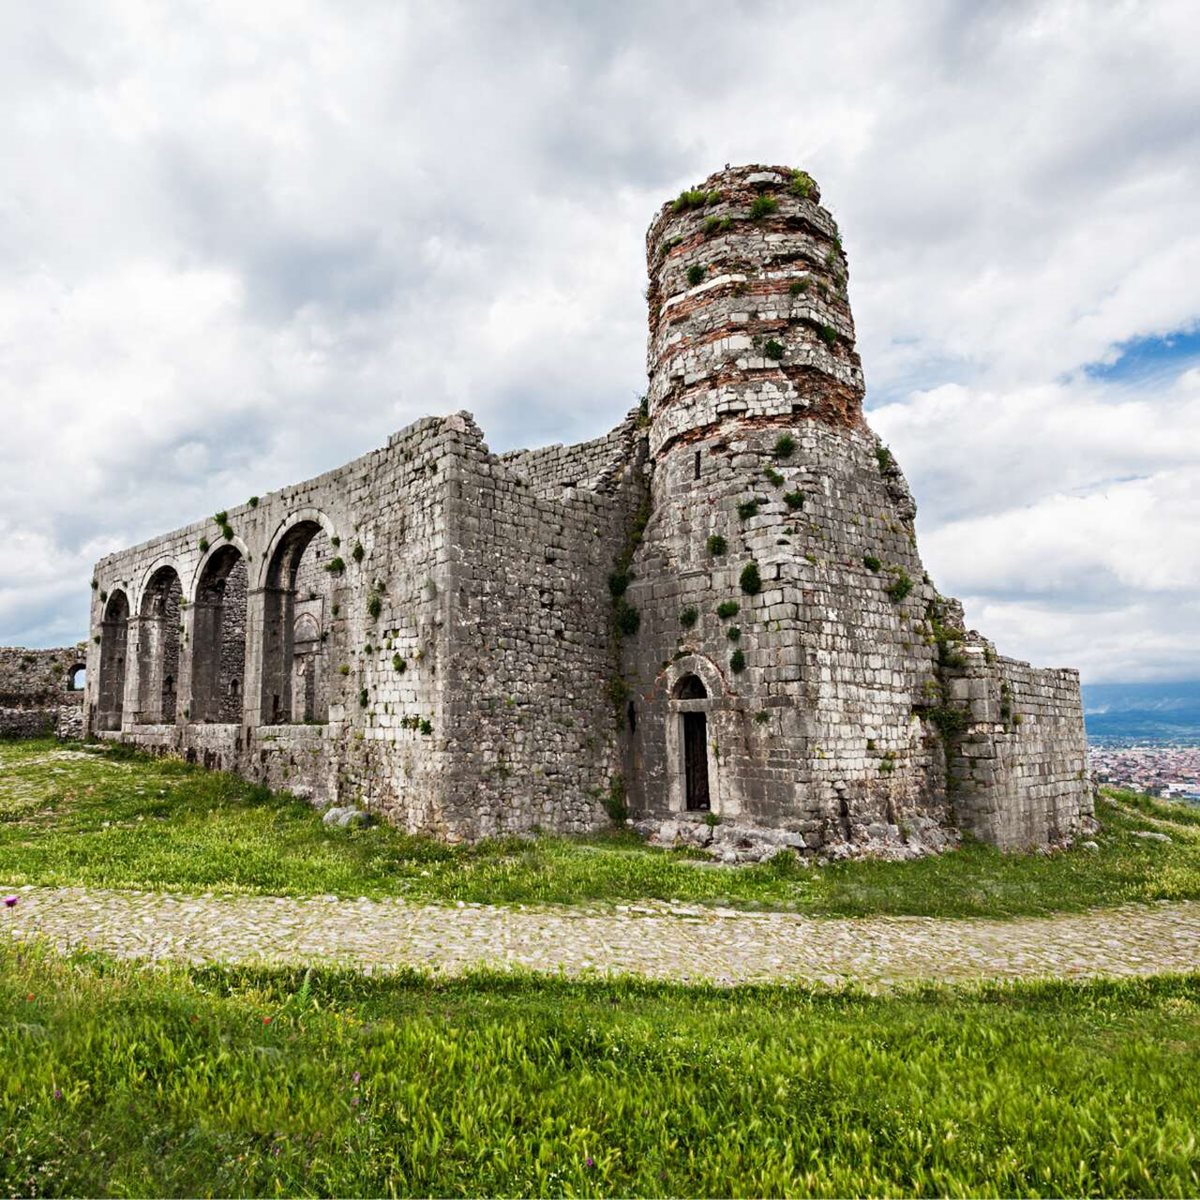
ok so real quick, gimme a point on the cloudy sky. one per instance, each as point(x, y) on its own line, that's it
point(242, 243)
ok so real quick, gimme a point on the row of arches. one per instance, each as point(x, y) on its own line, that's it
point(152, 662)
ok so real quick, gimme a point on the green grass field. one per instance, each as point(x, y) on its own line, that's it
point(113, 819)
point(119, 1080)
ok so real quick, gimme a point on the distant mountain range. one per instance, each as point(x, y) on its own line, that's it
point(1142, 711)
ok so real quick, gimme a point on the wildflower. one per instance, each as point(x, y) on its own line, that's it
point(29, 998)
point(355, 1077)
point(58, 1093)
point(590, 1162)
point(266, 1020)
point(9, 901)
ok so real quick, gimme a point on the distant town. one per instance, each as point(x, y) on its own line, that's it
point(1170, 770)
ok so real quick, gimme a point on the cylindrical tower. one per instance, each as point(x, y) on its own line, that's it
point(749, 316)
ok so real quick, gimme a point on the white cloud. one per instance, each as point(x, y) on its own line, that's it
point(242, 243)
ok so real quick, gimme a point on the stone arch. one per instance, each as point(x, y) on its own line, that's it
point(77, 677)
point(114, 644)
point(695, 693)
point(298, 605)
point(159, 616)
point(219, 636)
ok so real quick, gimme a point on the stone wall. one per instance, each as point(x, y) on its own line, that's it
point(37, 696)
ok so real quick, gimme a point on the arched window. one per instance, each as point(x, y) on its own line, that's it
point(77, 678)
point(219, 639)
point(114, 638)
point(158, 648)
point(298, 619)
point(691, 687)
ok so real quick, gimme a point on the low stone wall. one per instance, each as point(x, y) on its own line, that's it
point(36, 695)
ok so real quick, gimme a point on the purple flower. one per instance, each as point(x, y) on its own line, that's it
point(9, 901)
point(355, 1077)
point(590, 1162)
point(58, 1093)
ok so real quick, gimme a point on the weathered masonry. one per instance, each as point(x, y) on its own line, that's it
point(717, 609)
point(41, 691)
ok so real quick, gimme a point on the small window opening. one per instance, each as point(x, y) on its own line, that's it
point(631, 717)
point(697, 466)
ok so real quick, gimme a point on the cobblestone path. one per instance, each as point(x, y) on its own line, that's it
point(661, 941)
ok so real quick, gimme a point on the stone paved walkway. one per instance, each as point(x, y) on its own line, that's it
point(660, 941)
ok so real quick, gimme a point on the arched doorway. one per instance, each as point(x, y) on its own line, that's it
point(219, 639)
point(158, 648)
point(694, 745)
point(298, 606)
point(114, 640)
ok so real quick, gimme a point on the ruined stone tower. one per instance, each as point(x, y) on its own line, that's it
point(717, 609)
point(794, 667)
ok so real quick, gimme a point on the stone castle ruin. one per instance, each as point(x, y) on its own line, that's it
point(717, 610)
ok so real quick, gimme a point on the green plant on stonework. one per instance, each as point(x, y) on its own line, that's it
point(203, 544)
point(762, 717)
point(774, 478)
point(688, 617)
point(727, 609)
point(733, 633)
point(762, 206)
point(871, 562)
point(668, 245)
point(900, 586)
point(335, 542)
point(794, 500)
point(802, 184)
point(399, 664)
point(253, 501)
point(716, 545)
point(798, 287)
point(695, 274)
point(750, 580)
point(364, 698)
point(747, 509)
point(618, 583)
point(714, 225)
point(221, 518)
point(227, 532)
point(616, 803)
point(358, 553)
point(828, 335)
point(374, 605)
point(737, 662)
point(336, 565)
point(95, 583)
point(887, 464)
point(426, 727)
point(626, 618)
point(773, 349)
point(785, 446)
point(344, 669)
point(887, 763)
point(694, 198)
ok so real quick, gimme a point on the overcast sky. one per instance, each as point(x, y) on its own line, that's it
point(241, 243)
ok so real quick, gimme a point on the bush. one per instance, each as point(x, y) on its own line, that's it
point(762, 206)
point(358, 552)
point(336, 566)
point(203, 544)
point(221, 518)
point(871, 562)
point(715, 225)
point(883, 456)
point(695, 274)
point(628, 619)
point(747, 509)
point(426, 727)
point(227, 532)
point(737, 662)
point(733, 633)
point(688, 617)
point(363, 698)
point(793, 500)
point(773, 350)
point(828, 335)
point(785, 446)
point(616, 803)
point(253, 502)
point(399, 664)
point(694, 198)
point(802, 184)
point(374, 605)
point(618, 581)
point(727, 609)
point(797, 287)
point(716, 544)
point(774, 478)
point(900, 586)
point(751, 581)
